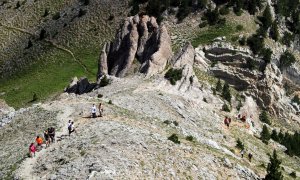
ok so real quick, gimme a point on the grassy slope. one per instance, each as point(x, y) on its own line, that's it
point(46, 79)
point(52, 68)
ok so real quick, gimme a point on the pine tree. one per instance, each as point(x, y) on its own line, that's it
point(280, 136)
point(273, 169)
point(239, 144)
point(274, 34)
point(267, 18)
point(265, 135)
point(226, 92)
point(274, 135)
point(219, 86)
point(264, 117)
point(286, 59)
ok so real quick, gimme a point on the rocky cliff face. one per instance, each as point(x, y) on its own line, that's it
point(139, 38)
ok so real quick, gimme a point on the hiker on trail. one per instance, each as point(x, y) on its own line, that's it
point(94, 111)
point(69, 123)
point(47, 138)
point(250, 156)
point(242, 152)
point(71, 128)
point(32, 150)
point(100, 109)
point(51, 132)
point(226, 121)
point(39, 141)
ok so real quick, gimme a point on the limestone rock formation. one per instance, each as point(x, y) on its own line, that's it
point(139, 38)
point(80, 86)
point(232, 65)
point(185, 60)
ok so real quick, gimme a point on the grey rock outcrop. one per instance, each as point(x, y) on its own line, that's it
point(6, 113)
point(185, 60)
point(80, 86)
point(232, 65)
point(139, 38)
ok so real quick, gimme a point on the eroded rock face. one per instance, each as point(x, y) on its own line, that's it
point(232, 65)
point(139, 38)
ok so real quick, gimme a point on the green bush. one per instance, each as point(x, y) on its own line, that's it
point(274, 135)
point(175, 123)
point(110, 102)
point(203, 24)
point(212, 16)
point(219, 86)
point(226, 94)
point(286, 60)
point(190, 138)
point(274, 33)
point(239, 144)
point(264, 117)
point(265, 135)
point(46, 12)
point(100, 95)
point(174, 139)
point(56, 16)
point(242, 41)
point(173, 75)
point(224, 10)
point(296, 99)
point(81, 12)
point(104, 81)
point(267, 54)
point(167, 122)
point(239, 27)
point(226, 107)
point(256, 43)
point(85, 2)
point(293, 175)
point(287, 38)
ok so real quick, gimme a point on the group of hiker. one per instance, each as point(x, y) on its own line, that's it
point(49, 134)
point(249, 154)
point(94, 110)
point(227, 122)
point(249, 122)
point(49, 137)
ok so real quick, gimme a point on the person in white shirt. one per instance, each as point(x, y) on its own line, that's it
point(94, 111)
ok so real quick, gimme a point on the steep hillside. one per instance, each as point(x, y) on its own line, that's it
point(45, 43)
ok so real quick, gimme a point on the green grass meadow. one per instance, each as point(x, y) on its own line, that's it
point(48, 79)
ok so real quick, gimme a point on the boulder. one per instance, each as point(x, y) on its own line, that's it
point(80, 86)
point(139, 38)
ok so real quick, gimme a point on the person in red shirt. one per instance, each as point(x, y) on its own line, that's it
point(32, 150)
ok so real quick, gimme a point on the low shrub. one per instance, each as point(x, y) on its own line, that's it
point(226, 108)
point(56, 16)
point(239, 27)
point(173, 75)
point(293, 175)
point(240, 144)
point(174, 139)
point(286, 60)
point(190, 138)
point(175, 123)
